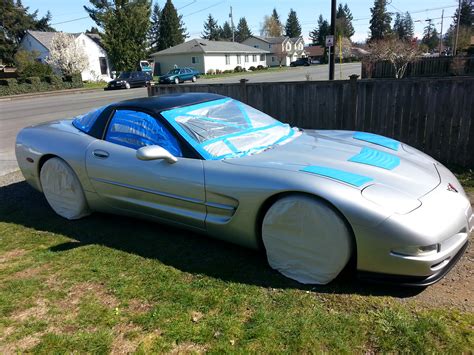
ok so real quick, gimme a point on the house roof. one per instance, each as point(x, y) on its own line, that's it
point(272, 40)
point(45, 38)
point(95, 37)
point(205, 46)
point(314, 51)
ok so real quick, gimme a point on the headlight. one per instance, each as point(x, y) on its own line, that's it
point(389, 198)
point(413, 250)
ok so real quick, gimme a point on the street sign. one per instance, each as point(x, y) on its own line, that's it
point(329, 41)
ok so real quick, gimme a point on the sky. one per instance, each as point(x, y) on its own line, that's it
point(70, 16)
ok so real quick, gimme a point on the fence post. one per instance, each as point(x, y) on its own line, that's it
point(353, 85)
point(243, 90)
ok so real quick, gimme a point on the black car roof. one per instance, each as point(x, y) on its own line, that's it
point(166, 102)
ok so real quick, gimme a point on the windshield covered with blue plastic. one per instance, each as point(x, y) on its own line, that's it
point(228, 128)
point(86, 121)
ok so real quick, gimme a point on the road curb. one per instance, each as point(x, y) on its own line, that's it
point(47, 93)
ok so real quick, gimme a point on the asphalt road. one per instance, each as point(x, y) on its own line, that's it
point(18, 113)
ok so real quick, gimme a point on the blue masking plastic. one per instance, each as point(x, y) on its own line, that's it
point(341, 175)
point(376, 158)
point(376, 139)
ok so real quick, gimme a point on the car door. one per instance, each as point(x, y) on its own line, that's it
point(170, 192)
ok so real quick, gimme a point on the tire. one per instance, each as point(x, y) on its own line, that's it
point(176, 81)
point(62, 189)
point(305, 239)
point(193, 79)
point(127, 86)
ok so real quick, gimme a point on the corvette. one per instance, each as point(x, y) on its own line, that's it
point(312, 199)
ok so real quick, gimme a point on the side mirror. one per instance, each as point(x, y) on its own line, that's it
point(154, 152)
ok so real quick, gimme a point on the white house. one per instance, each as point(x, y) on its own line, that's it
point(283, 50)
point(204, 55)
point(98, 68)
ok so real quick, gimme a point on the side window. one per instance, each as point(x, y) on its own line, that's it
point(136, 129)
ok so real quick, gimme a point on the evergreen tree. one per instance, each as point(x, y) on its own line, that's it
point(226, 32)
point(430, 36)
point(211, 29)
point(15, 21)
point(380, 21)
point(93, 30)
point(466, 29)
point(125, 26)
point(403, 26)
point(172, 31)
point(276, 17)
point(293, 27)
point(154, 32)
point(318, 35)
point(344, 18)
point(409, 27)
point(243, 31)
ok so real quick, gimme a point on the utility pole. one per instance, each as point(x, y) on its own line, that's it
point(457, 30)
point(232, 24)
point(333, 33)
point(441, 34)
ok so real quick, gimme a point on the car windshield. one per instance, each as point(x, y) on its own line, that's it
point(124, 75)
point(174, 71)
point(227, 128)
point(86, 121)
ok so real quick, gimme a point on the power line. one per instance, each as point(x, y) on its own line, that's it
point(206, 8)
point(182, 7)
point(76, 19)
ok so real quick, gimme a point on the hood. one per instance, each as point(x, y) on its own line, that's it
point(168, 76)
point(414, 173)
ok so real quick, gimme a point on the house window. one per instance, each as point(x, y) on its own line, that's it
point(239, 59)
point(227, 59)
point(256, 46)
point(254, 58)
point(103, 65)
point(273, 59)
point(194, 60)
point(262, 57)
point(246, 58)
point(270, 46)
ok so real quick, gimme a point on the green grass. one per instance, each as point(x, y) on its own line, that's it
point(269, 70)
point(109, 283)
point(95, 85)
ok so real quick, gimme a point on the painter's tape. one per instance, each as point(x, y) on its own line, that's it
point(376, 158)
point(376, 139)
point(341, 175)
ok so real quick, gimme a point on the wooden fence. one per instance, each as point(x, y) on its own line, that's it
point(433, 115)
point(423, 67)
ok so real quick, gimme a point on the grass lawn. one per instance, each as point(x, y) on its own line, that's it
point(109, 283)
point(95, 85)
point(269, 70)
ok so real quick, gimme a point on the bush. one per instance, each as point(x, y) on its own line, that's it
point(252, 68)
point(28, 66)
point(218, 71)
point(227, 71)
point(238, 69)
point(211, 72)
point(54, 80)
point(9, 82)
point(33, 80)
point(261, 67)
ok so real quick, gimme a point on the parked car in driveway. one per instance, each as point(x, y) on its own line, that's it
point(179, 75)
point(300, 62)
point(129, 79)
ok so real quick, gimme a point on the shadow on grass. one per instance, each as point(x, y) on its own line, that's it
point(181, 249)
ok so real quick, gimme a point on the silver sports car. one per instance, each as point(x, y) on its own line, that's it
point(314, 200)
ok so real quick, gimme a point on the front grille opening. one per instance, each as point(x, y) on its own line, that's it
point(440, 264)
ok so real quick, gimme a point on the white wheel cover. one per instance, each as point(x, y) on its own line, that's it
point(62, 189)
point(305, 240)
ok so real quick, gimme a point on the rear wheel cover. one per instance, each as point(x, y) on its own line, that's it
point(62, 189)
point(306, 240)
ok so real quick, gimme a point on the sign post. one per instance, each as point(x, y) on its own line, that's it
point(329, 44)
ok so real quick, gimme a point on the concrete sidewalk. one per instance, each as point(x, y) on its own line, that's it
point(47, 93)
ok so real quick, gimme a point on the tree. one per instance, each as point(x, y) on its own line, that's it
point(318, 35)
point(271, 27)
point(344, 18)
point(276, 17)
point(280, 52)
point(211, 29)
point(409, 27)
point(226, 32)
point(154, 31)
point(403, 26)
point(243, 31)
point(430, 36)
point(125, 26)
point(172, 29)
point(466, 19)
point(380, 20)
point(66, 55)
point(293, 27)
point(93, 30)
point(15, 21)
point(399, 53)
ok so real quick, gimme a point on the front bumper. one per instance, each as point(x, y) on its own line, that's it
point(445, 218)
point(115, 86)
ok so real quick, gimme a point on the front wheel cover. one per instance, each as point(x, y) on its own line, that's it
point(305, 239)
point(127, 85)
point(176, 81)
point(63, 190)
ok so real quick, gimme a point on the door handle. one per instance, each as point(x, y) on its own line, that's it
point(102, 154)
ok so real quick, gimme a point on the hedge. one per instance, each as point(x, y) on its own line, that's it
point(35, 84)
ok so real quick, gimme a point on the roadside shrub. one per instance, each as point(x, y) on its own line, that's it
point(28, 66)
point(54, 80)
point(252, 68)
point(73, 81)
point(33, 80)
point(238, 69)
point(218, 71)
point(211, 72)
point(227, 71)
point(261, 67)
point(8, 82)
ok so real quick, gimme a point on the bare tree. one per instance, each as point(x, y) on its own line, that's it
point(398, 52)
point(280, 52)
point(66, 54)
point(271, 27)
